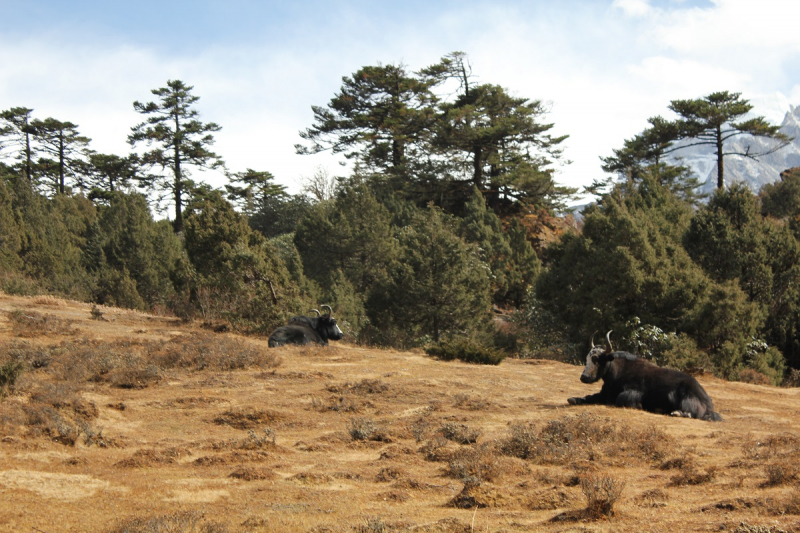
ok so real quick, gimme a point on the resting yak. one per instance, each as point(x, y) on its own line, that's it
point(306, 329)
point(629, 381)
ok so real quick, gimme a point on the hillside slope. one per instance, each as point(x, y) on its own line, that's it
point(134, 422)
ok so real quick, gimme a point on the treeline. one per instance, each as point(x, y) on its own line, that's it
point(450, 211)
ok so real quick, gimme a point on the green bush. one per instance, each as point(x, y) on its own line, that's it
point(10, 371)
point(465, 350)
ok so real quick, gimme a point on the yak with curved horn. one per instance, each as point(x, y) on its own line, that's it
point(630, 381)
point(307, 330)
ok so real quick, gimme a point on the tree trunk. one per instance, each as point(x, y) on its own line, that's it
point(178, 178)
point(720, 164)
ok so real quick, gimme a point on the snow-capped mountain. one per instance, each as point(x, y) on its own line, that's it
point(766, 169)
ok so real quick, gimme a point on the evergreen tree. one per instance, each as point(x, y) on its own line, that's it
point(524, 265)
point(180, 139)
point(482, 227)
point(507, 146)
point(111, 173)
point(711, 121)
point(237, 275)
point(352, 234)
point(16, 134)
point(438, 286)
point(62, 142)
point(249, 190)
point(380, 117)
point(628, 262)
point(135, 257)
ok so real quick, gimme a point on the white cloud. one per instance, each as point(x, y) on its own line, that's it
point(633, 8)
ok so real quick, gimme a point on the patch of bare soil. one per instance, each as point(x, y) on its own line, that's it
point(123, 421)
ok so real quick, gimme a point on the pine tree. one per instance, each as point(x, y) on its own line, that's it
point(438, 286)
point(61, 141)
point(180, 139)
point(16, 134)
point(711, 121)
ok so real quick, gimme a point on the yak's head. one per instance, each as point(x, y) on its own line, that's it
point(327, 325)
point(596, 359)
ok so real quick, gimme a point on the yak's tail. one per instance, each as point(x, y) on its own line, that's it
point(712, 416)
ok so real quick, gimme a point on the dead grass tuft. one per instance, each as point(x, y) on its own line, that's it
point(183, 522)
point(253, 441)
point(550, 499)
point(692, 475)
point(363, 429)
point(601, 493)
point(249, 473)
point(476, 495)
point(248, 418)
point(475, 464)
point(653, 498)
point(34, 324)
point(153, 457)
point(365, 386)
point(460, 433)
point(465, 401)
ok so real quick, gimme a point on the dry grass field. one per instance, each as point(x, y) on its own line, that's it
point(124, 422)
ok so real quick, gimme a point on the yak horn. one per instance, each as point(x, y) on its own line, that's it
point(316, 311)
point(328, 307)
point(592, 340)
point(608, 340)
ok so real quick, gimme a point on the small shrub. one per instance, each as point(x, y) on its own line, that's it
point(781, 473)
point(183, 522)
point(247, 418)
point(792, 378)
point(693, 476)
point(522, 442)
point(754, 377)
point(10, 371)
point(460, 433)
point(467, 351)
point(34, 324)
point(601, 493)
point(473, 464)
point(365, 429)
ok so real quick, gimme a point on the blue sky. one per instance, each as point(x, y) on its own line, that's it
point(603, 67)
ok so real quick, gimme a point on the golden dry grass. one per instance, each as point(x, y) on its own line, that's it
point(138, 423)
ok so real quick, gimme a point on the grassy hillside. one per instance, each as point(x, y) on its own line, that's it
point(119, 421)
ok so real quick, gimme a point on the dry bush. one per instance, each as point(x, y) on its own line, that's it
point(365, 386)
point(785, 445)
point(754, 377)
point(180, 522)
point(549, 499)
point(253, 441)
point(34, 324)
point(247, 473)
point(361, 429)
point(465, 401)
point(338, 404)
point(248, 418)
point(693, 475)
point(781, 472)
point(47, 300)
point(152, 457)
point(390, 473)
point(474, 495)
point(601, 493)
point(477, 464)
point(792, 378)
point(134, 378)
point(460, 433)
point(653, 498)
point(585, 437)
point(202, 351)
point(435, 449)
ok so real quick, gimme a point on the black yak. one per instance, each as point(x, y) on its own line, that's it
point(306, 329)
point(629, 381)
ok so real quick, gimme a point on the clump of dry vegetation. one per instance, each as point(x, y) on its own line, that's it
point(34, 324)
point(183, 522)
point(584, 437)
point(248, 418)
point(601, 493)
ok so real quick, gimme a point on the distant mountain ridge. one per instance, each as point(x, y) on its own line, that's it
point(755, 174)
